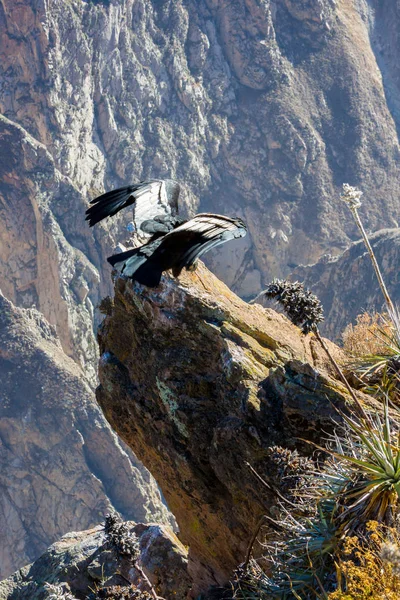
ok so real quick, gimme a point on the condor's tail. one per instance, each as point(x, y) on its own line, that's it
point(138, 264)
point(109, 204)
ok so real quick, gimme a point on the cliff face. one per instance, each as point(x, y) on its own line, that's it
point(223, 382)
point(261, 109)
point(61, 466)
point(347, 284)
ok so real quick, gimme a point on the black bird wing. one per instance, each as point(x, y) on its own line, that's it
point(179, 248)
point(153, 198)
point(137, 265)
point(192, 239)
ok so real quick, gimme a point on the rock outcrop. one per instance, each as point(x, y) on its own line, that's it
point(82, 564)
point(61, 466)
point(347, 284)
point(200, 384)
point(262, 109)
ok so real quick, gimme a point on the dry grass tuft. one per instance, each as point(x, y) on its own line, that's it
point(364, 338)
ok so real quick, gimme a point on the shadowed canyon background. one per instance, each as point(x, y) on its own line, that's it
point(261, 109)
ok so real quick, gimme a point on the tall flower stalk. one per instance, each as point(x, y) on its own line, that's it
point(351, 196)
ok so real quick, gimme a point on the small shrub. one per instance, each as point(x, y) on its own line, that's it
point(120, 538)
point(117, 592)
point(373, 348)
point(369, 568)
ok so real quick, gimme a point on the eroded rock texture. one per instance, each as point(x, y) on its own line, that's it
point(61, 466)
point(81, 563)
point(223, 382)
point(347, 284)
point(261, 108)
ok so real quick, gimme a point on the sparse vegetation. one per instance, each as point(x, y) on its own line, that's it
point(125, 543)
point(339, 537)
point(120, 538)
point(117, 592)
point(373, 348)
point(58, 592)
point(370, 565)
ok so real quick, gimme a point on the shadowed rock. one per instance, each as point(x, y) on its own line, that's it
point(61, 466)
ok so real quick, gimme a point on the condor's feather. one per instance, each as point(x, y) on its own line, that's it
point(149, 199)
point(178, 249)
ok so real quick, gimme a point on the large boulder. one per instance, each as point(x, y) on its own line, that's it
point(83, 565)
point(200, 385)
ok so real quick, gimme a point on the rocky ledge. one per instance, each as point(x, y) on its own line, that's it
point(201, 385)
point(85, 566)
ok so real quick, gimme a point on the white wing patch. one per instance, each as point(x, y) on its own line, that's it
point(210, 225)
point(150, 201)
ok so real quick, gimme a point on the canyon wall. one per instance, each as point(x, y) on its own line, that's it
point(61, 465)
point(260, 108)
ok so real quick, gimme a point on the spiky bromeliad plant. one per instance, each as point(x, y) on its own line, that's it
point(359, 482)
point(373, 444)
point(305, 310)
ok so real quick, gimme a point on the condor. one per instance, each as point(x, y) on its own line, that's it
point(179, 248)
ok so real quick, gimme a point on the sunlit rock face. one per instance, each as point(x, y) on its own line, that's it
point(261, 109)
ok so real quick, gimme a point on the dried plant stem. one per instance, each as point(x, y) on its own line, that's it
point(148, 582)
point(385, 293)
point(146, 579)
point(253, 539)
point(342, 377)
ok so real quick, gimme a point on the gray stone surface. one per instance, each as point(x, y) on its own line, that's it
point(61, 466)
point(347, 284)
point(82, 562)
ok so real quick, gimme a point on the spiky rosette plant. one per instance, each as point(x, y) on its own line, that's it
point(367, 460)
point(120, 537)
point(305, 310)
point(125, 543)
point(301, 306)
point(359, 482)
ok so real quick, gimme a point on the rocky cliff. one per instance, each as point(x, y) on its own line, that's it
point(347, 284)
point(224, 383)
point(261, 109)
point(61, 466)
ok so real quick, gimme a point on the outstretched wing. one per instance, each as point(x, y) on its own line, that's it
point(205, 231)
point(179, 248)
point(150, 199)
